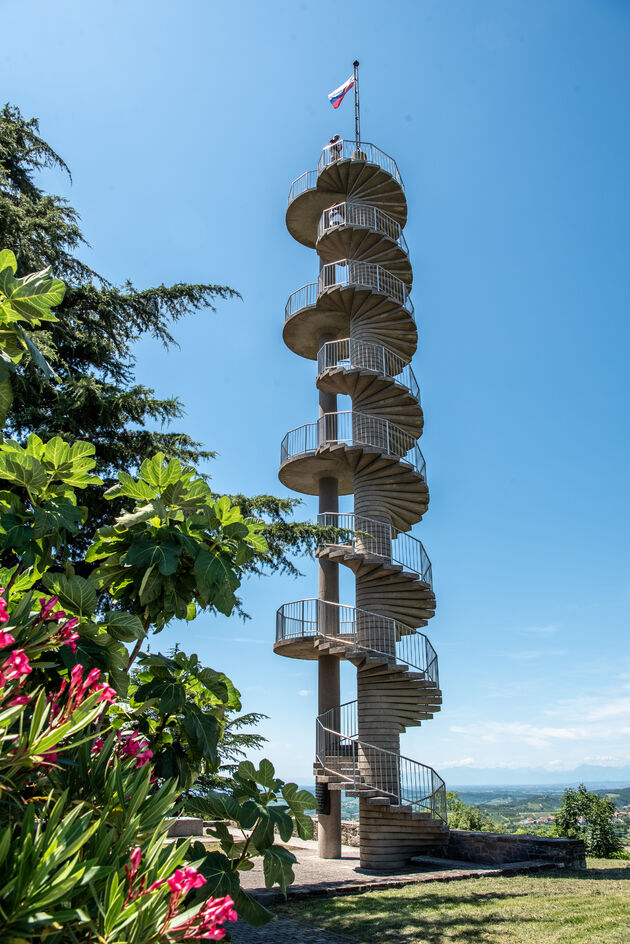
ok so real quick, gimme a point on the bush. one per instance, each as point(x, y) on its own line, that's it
point(588, 816)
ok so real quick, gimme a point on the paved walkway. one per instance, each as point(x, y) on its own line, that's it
point(315, 876)
point(282, 931)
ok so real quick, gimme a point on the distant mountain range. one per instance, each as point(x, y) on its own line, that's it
point(593, 776)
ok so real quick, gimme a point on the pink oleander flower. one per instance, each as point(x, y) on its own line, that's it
point(136, 746)
point(183, 880)
point(143, 757)
point(4, 616)
point(97, 745)
point(5, 638)
point(206, 923)
point(49, 759)
point(47, 607)
point(108, 694)
point(20, 700)
point(92, 677)
point(67, 635)
point(136, 858)
point(16, 665)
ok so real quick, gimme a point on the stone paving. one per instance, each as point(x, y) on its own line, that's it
point(283, 931)
point(315, 876)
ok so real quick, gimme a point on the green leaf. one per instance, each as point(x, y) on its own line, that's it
point(246, 770)
point(24, 470)
point(124, 626)
point(214, 682)
point(173, 698)
point(7, 261)
point(215, 805)
point(216, 868)
point(266, 773)
point(278, 867)
point(217, 577)
point(36, 355)
point(203, 729)
point(251, 910)
point(158, 473)
point(6, 399)
point(144, 553)
point(75, 593)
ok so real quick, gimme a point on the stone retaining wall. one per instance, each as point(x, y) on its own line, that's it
point(497, 848)
point(494, 848)
point(349, 831)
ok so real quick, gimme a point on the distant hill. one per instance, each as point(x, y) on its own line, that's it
point(492, 777)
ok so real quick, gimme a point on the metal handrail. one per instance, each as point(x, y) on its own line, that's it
point(353, 429)
point(343, 151)
point(364, 217)
point(366, 152)
point(350, 273)
point(403, 780)
point(306, 181)
point(373, 538)
point(361, 631)
point(364, 355)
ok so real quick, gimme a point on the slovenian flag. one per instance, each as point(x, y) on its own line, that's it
point(335, 98)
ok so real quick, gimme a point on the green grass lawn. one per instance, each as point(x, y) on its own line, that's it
point(591, 907)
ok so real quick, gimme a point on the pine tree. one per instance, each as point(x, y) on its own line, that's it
point(91, 346)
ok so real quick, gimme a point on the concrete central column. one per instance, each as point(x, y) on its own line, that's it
point(329, 694)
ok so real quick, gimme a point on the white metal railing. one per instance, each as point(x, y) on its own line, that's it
point(349, 273)
point(354, 429)
point(373, 538)
point(341, 151)
point(361, 631)
point(306, 181)
point(366, 152)
point(365, 355)
point(402, 780)
point(363, 216)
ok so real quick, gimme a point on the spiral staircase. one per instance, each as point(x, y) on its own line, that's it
point(357, 321)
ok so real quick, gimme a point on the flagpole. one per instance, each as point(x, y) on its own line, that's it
point(357, 119)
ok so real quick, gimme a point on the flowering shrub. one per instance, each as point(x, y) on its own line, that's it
point(64, 854)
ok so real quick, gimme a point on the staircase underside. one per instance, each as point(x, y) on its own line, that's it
point(349, 241)
point(375, 394)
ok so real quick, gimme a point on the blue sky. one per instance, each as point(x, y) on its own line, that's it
point(184, 126)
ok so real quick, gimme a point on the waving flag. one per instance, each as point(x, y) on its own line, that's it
point(335, 98)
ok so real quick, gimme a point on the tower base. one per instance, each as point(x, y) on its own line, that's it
point(388, 839)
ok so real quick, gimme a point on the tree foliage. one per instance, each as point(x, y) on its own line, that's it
point(90, 346)
point(588, 816)
point(464, 816)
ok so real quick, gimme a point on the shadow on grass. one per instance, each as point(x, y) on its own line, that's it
point(433, 919)
point(610, 874)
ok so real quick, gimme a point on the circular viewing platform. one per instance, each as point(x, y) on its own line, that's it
point(344, 170)
point(300, 623)
point(351, 291)
point(330, 446)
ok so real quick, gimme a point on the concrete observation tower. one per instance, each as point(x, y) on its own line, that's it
point(357, 321)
